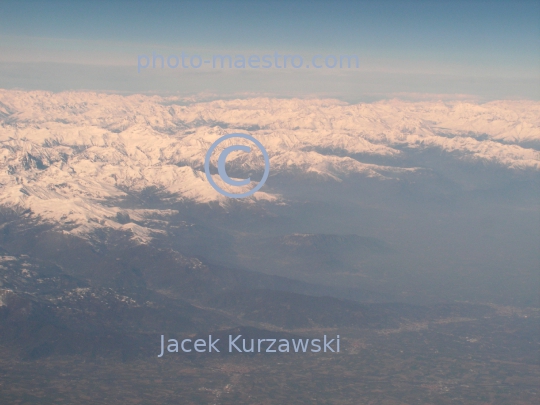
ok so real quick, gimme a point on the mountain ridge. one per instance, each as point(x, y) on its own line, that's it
point(64, 155)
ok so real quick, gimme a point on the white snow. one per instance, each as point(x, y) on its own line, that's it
point(64, 155)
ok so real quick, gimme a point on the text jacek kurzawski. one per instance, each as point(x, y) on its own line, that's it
point(237, 344)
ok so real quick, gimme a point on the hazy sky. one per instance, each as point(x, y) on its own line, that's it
point(483, 49)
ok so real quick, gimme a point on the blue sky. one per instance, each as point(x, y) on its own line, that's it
point(484, 49)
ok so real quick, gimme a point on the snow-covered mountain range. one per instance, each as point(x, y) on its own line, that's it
point(65, 156)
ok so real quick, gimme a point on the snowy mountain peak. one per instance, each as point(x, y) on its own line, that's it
point(67, 156)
